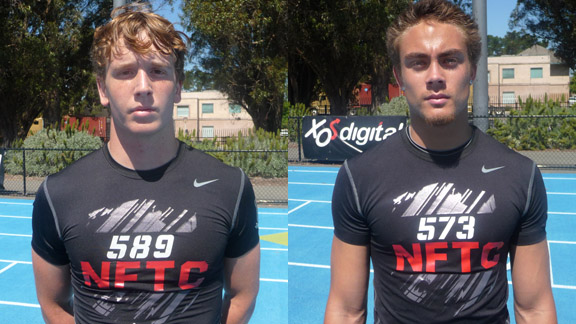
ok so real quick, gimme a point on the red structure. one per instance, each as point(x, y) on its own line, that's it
point(98, 126)
point(363, 94)
point(394, 91)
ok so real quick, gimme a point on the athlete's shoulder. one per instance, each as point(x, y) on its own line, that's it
point(489, 146)
point(201, 165)
point(384, 152)
point(90, 163)
point(205, 161)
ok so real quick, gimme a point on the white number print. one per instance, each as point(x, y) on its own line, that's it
point(140, 246)
point(468, 223)
point(118, 249)
point(164, 245)
point(428, 225)
point(426, 231)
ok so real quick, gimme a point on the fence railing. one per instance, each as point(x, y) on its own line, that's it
point(22, 171)
point(552, 148)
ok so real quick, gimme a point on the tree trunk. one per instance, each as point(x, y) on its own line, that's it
point(380, 76)
point(338, 101)
point(301, 81)
point(267, 117)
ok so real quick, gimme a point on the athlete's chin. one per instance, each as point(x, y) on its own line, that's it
point(145, 129)
point(439, 121)
point(438, 117)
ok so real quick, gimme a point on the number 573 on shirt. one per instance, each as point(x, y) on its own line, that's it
point(431, 225)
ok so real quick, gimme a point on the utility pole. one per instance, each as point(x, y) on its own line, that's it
point(480, 104)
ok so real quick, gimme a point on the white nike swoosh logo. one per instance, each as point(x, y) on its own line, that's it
point(200, 184)
point(484, 170)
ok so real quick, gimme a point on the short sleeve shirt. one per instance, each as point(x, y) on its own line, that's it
point(146, 246)
point(440, 225)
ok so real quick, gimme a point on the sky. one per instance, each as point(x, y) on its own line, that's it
point(498, 12)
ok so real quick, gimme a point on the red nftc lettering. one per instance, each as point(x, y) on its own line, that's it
point(434, 254)
point(127, 271)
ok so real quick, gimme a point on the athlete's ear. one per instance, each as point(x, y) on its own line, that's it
point(473, 69)
point(101, 82)
point(178, 93)
point(398, 77)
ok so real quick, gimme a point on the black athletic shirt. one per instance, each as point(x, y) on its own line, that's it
point(146, 246)
point(440, 225)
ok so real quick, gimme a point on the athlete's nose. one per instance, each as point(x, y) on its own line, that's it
point(435, 79)
point(143, 84)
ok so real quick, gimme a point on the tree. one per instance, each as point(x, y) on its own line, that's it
point(45, 67)
point(197, 80)
point(551, 20)
point(513, 43)
point(495, 47)
point(44, 62)
point(302, 79)
point(343, 42)
point(241, 44)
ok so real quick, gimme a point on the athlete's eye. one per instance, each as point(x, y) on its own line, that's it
point(450, 62)
point(418, 64)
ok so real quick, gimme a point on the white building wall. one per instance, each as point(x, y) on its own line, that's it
point(523, 85)
point(222, 121)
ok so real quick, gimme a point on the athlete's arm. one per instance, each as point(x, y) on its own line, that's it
point(349, 275)
point(53, 289)
point(533, 300)
point(241, 284)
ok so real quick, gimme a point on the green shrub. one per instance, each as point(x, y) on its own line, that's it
point(250, 152)
point(59, 149)
point(292, 116)
point(522, 131)
point(398, 106)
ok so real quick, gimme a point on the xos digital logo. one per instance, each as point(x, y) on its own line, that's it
point(351, 135)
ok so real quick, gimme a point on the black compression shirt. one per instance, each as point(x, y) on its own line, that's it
point(146, 246)
point(440, 226)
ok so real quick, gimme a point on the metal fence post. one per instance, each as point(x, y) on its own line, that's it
point(299, 140)
point(24, 170)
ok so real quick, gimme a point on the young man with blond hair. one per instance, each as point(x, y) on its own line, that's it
point(147, 229)
point(438, 208)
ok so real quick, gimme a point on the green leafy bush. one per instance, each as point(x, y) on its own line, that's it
point(398, 106)
point(522, 130)
point(259, 154)
point(292, 115)
point(54, 150)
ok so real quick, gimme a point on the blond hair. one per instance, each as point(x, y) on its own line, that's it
point(439, 11)
point(127, 24)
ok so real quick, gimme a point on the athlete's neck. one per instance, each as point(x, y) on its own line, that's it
point(142, 152)
point(442, 138)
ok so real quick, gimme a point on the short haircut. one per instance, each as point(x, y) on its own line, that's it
point(436, 11)
point(128, 23)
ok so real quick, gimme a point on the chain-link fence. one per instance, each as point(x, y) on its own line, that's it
point(549, 140)
point(22, 171)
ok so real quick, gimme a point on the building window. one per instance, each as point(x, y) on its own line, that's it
point(508, 97)
point(488, 76)
point(507, 73)
point(207, 108)
point(234, 109)
point(182, 111)
point(207, 131)
point(536, 73)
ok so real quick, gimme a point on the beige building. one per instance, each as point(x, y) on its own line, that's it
point(534, 72)
point(208, 114)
